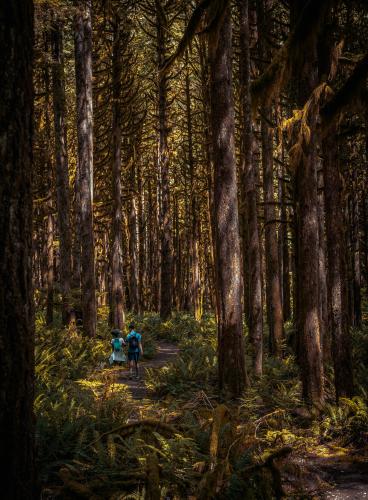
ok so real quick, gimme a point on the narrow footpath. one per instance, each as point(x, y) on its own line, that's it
point(165, 354)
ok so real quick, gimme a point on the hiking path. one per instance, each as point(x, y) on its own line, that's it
point(165, 354)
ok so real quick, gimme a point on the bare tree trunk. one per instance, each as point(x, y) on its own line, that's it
point(16, 295)
point(310, 353)
point(133, 250)
point(208, 155)
point(194, 239)
point(337, 271)
point(322, 263)
point(62, 171)
point(307, 235)
point(273, 285)
point(76, 251)
point(232, 374)
point(50, 209)
point(117, 291)
point(166, 266)
point(178, 293)
point(252, 252)
point(83, 70)
point(285, 251)
point(357, 300)
point(50, 260)
point(141, 243)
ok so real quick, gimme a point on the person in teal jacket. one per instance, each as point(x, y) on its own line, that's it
point(134, 341)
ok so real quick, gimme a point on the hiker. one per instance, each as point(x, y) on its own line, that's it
point(117, 343)
point(134, 341)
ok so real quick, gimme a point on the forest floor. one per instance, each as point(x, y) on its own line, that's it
point(331, 477)
point(101, 435)
point(348, 478)
point(338, 476)
point(166, 353)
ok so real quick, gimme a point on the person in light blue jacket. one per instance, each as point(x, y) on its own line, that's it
point(134, 341)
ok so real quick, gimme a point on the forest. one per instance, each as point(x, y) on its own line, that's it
point(195, 171)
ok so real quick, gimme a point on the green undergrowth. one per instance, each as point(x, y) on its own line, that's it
point(94, 441)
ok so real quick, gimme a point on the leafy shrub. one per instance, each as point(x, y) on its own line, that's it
point(348, 421)
point(80, 409)
point(196, 366)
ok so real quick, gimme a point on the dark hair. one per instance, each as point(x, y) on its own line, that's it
point(115, 332)
point(131, 326)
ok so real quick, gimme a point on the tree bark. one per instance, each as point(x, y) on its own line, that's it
point(194, 235)
point(83, 70)
point(62, 170)
point(50, 259)
point(273, 284)
point(141, 242)
point(357, 300)
point(117, 289)
point(285, 253)
point(232, 374)
point(307, 234)
point(166, 265)
point(16, 295)
point(310, 354)
point(252, 251)
point(208, 156)
point(76, 273)
point(133, 249)
point(50, 225)
point(322, 263)
point(337, 271)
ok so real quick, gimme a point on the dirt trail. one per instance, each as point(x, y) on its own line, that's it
point(334, 477)
point(166, 353)
point(349, 480)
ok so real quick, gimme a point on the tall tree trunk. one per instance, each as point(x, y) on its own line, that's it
point(272, 266)
point(252, 252)
point(232, 374)
point(76, 251)
point(337, 271)
point(62, 171)
point(50, 258)
point(194, 234)
point(308, 318)
point(208, 155)
point(273, 285)
point(117, 291)
point(50, 225)
point(133, 248)
point(141, 242)
point(357, 300)
point(285, 251)
point(16, 297)
point(166, 265)
point(310, 355)
point(322, 263)
point(83, 71)
point(178, 292)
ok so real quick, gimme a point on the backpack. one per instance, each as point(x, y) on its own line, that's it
point(116, 344)
point(133, 343)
